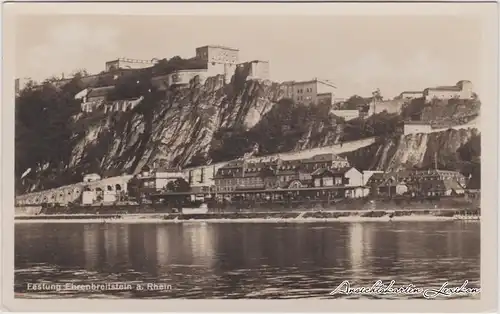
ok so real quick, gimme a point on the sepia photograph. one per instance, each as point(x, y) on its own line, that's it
point(252, 157)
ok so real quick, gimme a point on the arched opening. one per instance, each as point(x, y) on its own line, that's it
point(118, 187)
point(110, 188)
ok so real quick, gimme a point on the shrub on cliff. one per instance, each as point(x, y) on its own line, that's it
point(354, 102)
point(164, 66)
point(382, 124)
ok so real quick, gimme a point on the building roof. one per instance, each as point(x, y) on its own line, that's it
point(257, 61)
point(456, 88)
point(376, 176)
point(444, 88)
point(100, 91)
point(82, 93)
point(167, 169)
point(461, 82)
point(218, 46)
point(323, 157)
point(452, 184)
point(189, 70)
point(417, 123)
point(295, 163)
point(233, 164)
point(326, 171)
point(91, 175)
point(326, 83)
point(134, 60)
point(392, 182)
point(312, 81)
point(411, 92)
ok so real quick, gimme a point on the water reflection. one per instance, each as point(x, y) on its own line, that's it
point(248, 260)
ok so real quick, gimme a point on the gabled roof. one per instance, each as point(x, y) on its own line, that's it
point(376, 176)
point(326, 171)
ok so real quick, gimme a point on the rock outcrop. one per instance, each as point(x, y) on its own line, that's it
point(205, 123)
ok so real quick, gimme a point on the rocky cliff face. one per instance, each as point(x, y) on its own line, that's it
point(451, 111)
point(199, 124)
point(172, 129)
point(175, 127)
point(451, 149)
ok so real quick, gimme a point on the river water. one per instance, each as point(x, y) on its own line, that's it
point(241, 260)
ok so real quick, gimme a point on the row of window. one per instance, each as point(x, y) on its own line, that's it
point(301, 91)
point(300, 98)
point(425, 178)
point(238, 181)
point(306, 167)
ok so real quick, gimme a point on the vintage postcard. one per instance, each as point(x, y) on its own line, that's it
point(257, 156)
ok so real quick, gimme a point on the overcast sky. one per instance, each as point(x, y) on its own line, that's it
point(359, 54)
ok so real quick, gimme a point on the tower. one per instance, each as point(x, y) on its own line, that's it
point(219, 60)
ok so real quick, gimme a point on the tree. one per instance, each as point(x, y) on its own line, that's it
point(178, 185)
point(376, 95)
point(43, 134)
point(80, 73)
point(134, 188)
point(354, 102)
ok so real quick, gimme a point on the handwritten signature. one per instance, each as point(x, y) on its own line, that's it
point(380, 288)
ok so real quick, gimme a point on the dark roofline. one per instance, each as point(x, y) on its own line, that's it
point(412, 92)
point(218, 46)
point(264, 61)
point(417, 122)
point(314, 81)
point(444, 88)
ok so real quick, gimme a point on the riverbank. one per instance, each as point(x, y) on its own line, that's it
point(364, 204)
point(261, 217)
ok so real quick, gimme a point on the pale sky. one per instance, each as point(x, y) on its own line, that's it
point(357, 53)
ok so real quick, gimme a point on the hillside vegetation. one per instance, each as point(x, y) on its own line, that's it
point(205, 123)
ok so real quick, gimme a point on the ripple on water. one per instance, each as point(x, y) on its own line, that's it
point(248, 261)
